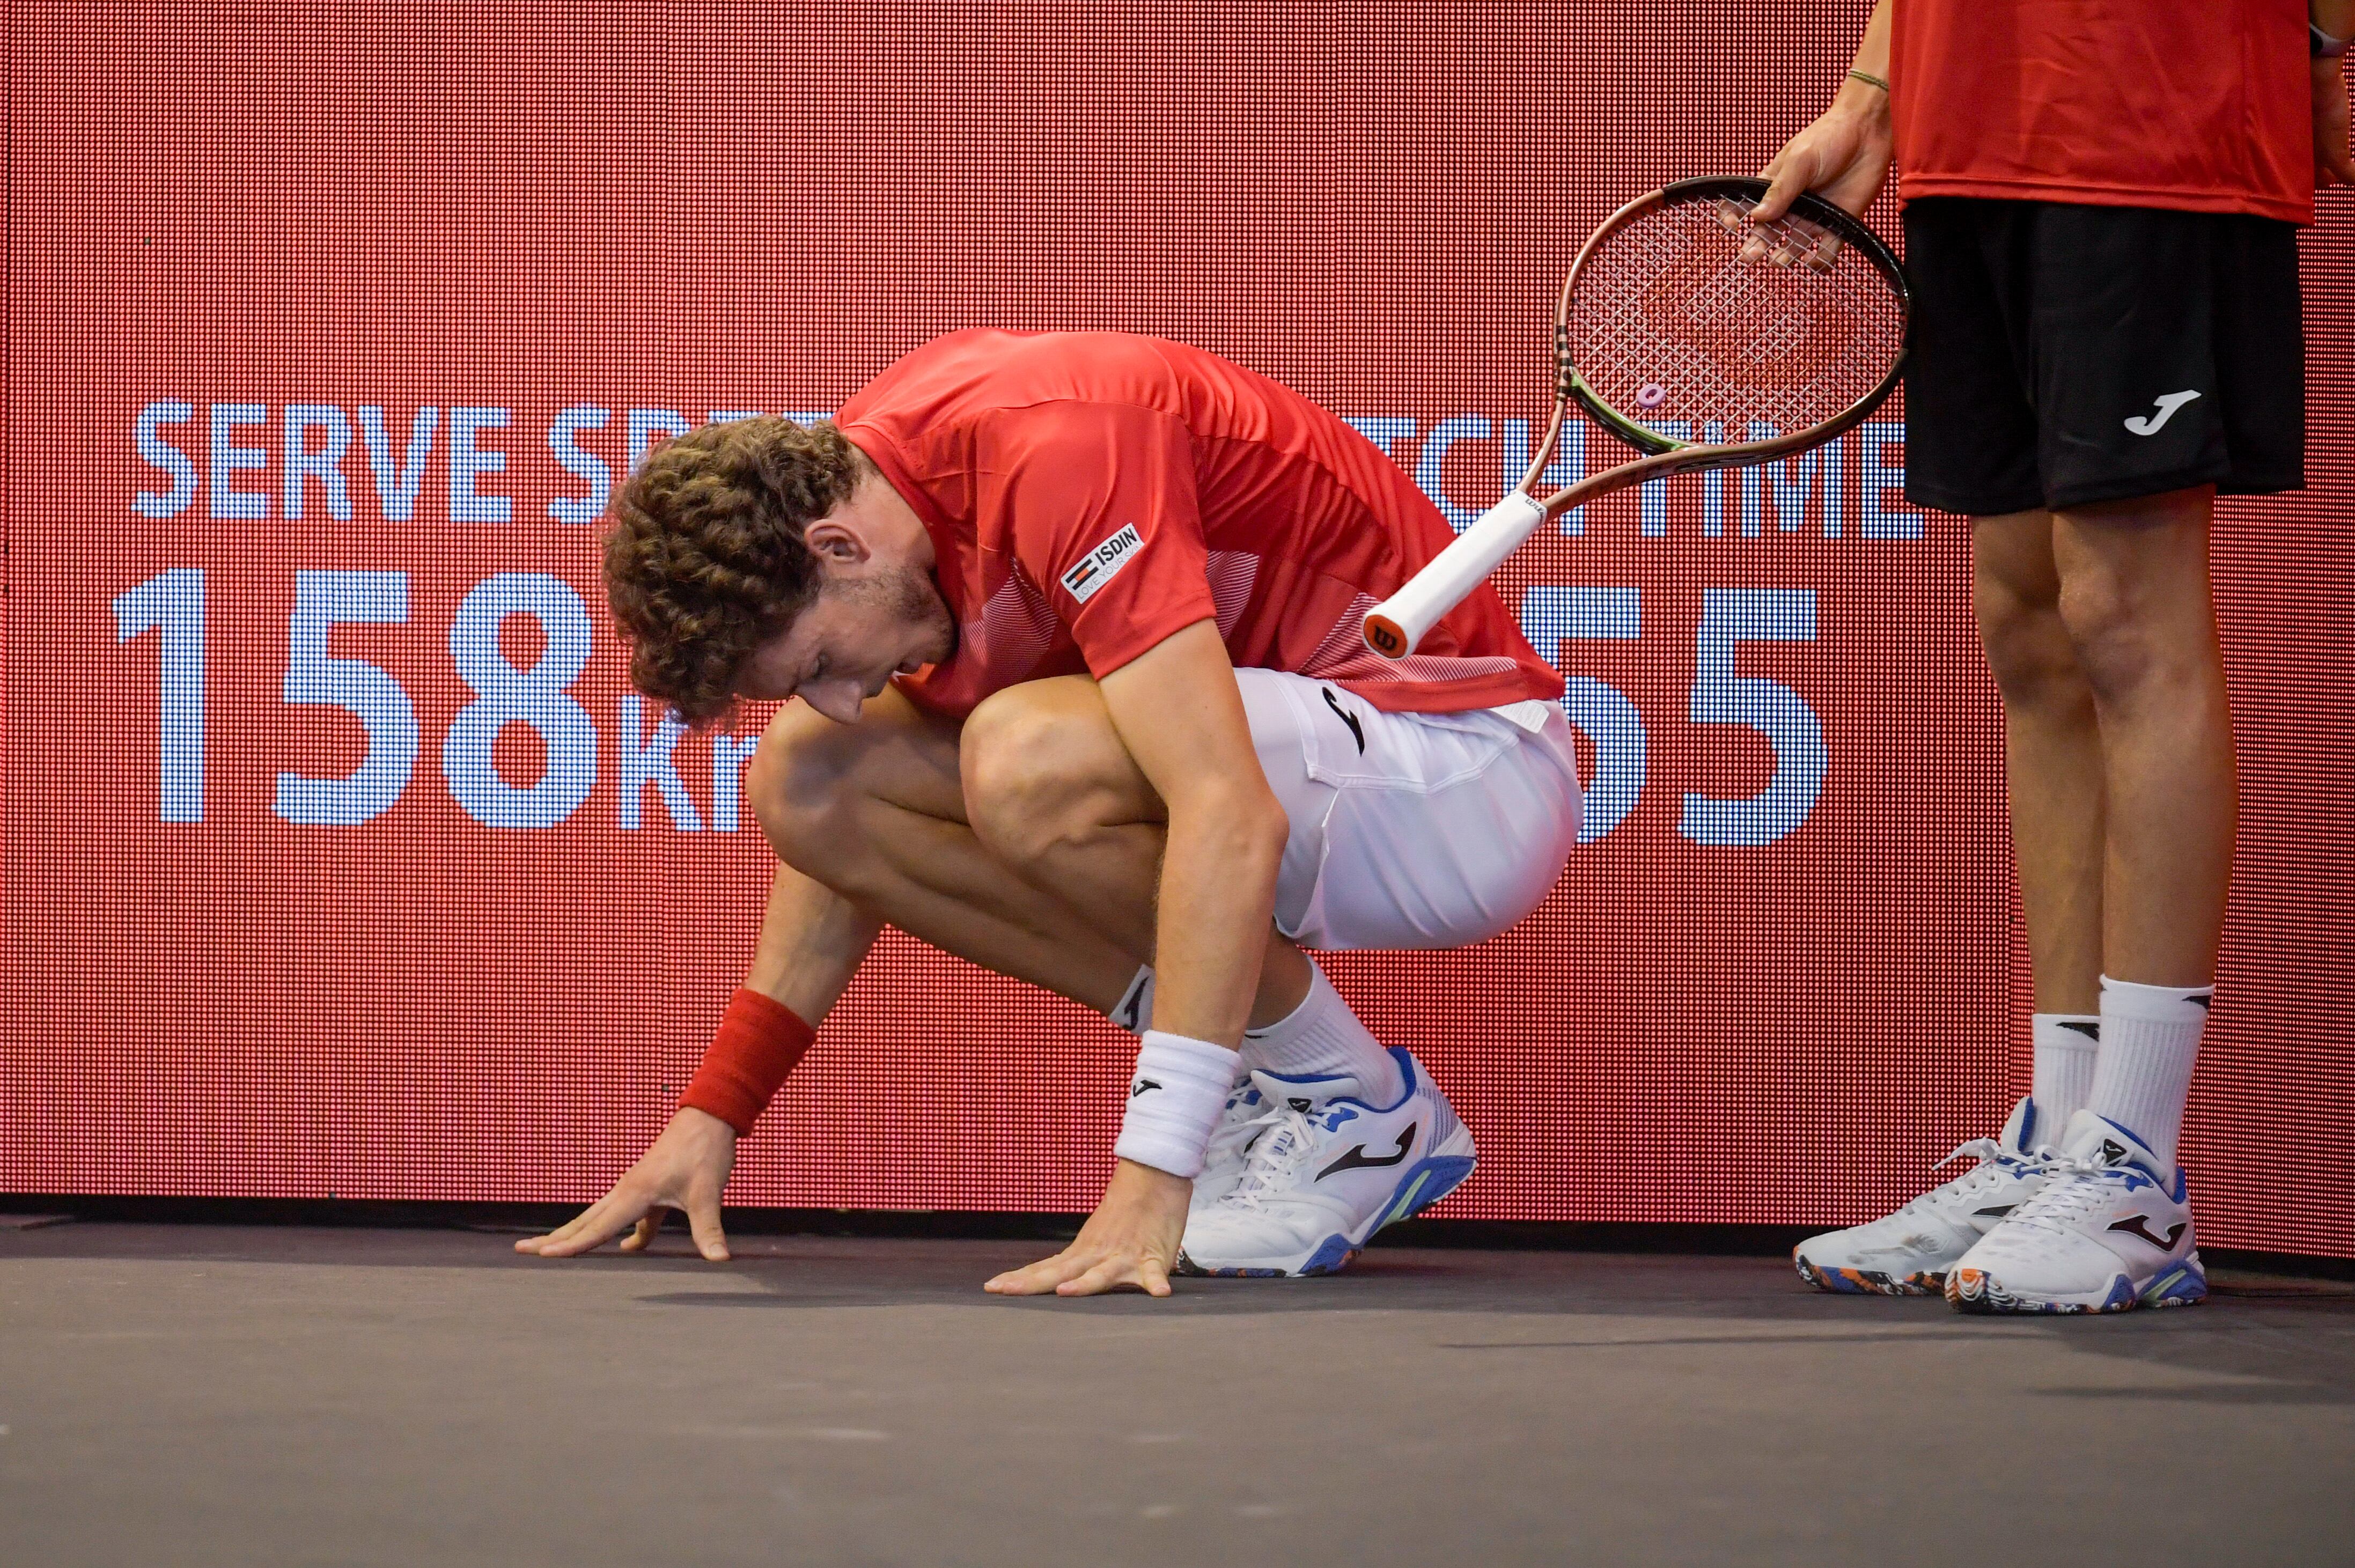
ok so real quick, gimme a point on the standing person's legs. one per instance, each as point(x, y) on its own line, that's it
point(2053, 774)
point(2136, 598)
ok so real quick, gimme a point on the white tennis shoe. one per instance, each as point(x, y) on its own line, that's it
point(1909, 1251)
point(1239, 1125)
point(2110, 1228)
point(1324, 1170)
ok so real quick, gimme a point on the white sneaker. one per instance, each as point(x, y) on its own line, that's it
point(1325, 1170)
point(2110, 1228)
point(1908, 1251)
point(1239, 1125)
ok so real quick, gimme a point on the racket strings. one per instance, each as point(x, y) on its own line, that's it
point(1667, 324)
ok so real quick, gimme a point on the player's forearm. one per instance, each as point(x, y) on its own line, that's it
point(2336, 18)
point(1217, 900)
point(1870, 98)
point(1872, 49)
point(811, 941)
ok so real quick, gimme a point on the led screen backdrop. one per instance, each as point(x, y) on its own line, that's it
point(339, 859)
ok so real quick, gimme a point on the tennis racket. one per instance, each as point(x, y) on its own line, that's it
point(1665, 334)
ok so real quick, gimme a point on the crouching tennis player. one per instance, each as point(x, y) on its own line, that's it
point(1074, 619)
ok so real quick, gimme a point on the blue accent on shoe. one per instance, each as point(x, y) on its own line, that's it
point(2122, 1295)
point(1330, 1257)
point(1428, 1182)
point(2179, 1285)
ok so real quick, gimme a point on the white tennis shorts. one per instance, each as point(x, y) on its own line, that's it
point(1411, 829)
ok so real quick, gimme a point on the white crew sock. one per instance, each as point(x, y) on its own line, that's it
point(1133, 1011)
point(2065, 1045)
point(1323, 1035)
point(2150, 1037)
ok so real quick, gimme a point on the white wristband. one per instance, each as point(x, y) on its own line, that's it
point(1174, 1102)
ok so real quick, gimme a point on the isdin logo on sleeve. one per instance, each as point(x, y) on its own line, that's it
point(1100, 565)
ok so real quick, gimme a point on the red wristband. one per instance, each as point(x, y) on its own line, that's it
point(759, 1041)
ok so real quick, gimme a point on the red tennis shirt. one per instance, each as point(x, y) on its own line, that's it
point(1088, 494)
point(2199, 105)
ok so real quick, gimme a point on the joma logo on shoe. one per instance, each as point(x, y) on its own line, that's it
point(1358, 1157)
point(2138, 1225)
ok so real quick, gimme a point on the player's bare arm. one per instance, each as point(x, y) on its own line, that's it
point(1177, 712)
point(1844, 155)
point(2333, 162)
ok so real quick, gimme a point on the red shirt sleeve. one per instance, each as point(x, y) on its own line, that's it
point(1097, 502)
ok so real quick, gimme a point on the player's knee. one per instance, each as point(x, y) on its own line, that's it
point(795, 787)
point(2028, 646)
point(1030, 776)
point(2114, 644)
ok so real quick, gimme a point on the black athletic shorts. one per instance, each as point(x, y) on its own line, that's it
point(2067, 353)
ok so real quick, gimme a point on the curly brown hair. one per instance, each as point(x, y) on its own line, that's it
point(704, 553)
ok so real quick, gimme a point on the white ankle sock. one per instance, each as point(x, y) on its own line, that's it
point(2150, 1037)
point(2065, 1046)
point(1133, 1011)
point(1322, 1035)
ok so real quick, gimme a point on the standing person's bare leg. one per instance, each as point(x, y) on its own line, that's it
point(2136, 597)
point(2053, 771)
point(2112, 1226)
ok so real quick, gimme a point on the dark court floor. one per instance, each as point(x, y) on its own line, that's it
point(187, 1395)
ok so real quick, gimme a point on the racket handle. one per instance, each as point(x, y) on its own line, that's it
point(1395, 627)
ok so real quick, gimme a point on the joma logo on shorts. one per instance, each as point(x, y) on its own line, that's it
point(1098, 567)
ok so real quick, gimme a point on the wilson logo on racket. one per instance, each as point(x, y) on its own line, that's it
point(1101, 564)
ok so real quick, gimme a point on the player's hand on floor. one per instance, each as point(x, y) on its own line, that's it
point(1130, 1243)
point(687, 1169)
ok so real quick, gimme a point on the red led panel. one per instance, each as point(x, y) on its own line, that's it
point(339, 860)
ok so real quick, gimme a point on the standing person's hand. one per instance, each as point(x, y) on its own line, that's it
point(686, 1169)
point(2332, 164)
point(1842, 157)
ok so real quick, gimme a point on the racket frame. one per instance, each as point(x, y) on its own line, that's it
point(1392, 628)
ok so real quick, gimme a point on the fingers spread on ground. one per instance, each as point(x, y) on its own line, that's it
point(703, 1221)
point(1043, 1275)
point(593, 1229)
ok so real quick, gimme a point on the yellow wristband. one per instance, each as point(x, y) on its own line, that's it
point(1866, 75)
